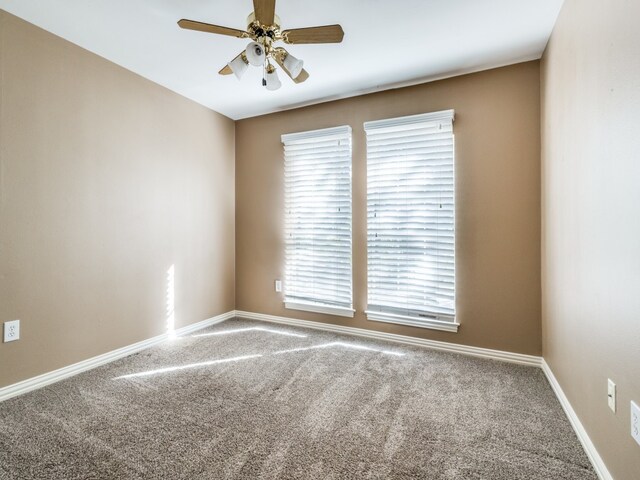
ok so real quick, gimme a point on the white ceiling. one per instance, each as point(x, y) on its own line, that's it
point(387, 43)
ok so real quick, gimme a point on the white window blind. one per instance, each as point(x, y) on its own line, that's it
point(410, 218)
point(317, 168)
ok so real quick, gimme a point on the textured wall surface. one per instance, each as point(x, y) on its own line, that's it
point(591, 218)
point(106, 181)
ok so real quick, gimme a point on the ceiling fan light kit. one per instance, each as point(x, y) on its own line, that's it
point(293, 64)
point(255, 54)
point(264, 30)
point(239, 65)
point(271, 80)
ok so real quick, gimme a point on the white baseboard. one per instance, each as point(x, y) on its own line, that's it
point(587, 444)
point(204, 323)
point(66, 372)
point(531, 360)
point(433, 344)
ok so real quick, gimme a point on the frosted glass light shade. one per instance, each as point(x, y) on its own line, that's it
point(238, 66)
point(255, 54)
point(293, 64)
point(273, 82)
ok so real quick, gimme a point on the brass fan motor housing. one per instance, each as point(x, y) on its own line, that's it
point(257, 31)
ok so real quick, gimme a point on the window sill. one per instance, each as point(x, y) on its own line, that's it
point(412, 321)
point(319, 308)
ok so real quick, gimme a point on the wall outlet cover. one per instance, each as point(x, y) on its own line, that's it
point(611, 395)
point(635, 422)
point(11, 331)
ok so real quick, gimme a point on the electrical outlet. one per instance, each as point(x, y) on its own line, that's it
point(611, 395)
point(635, 422)
point(278, 285)
point(11, 331)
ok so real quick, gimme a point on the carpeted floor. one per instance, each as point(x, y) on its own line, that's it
point(250, 400)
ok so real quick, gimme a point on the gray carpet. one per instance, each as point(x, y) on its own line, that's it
point(250, 400)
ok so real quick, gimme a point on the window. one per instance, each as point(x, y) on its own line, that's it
point(410, 221)
point(317, 169)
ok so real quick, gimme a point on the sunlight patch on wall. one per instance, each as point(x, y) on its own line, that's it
point(171, 302)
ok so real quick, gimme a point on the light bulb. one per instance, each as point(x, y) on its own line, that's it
point(255, 54)
point(293, 64)
point(273, 82)
point(238, 66)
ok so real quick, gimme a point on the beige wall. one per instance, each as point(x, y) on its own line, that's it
point(498, 203)
point(591, 218)
point(106, 180)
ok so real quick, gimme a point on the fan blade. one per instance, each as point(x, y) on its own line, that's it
point(302, 77)
point(265, 11)
point(207, 27)
point(324, 34)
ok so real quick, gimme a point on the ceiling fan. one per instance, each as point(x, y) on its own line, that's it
point(263, 28)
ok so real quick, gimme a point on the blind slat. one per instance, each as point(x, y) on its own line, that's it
point(411, 215)
point(317, 171)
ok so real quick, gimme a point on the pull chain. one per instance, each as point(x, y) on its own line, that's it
point(264, 74)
